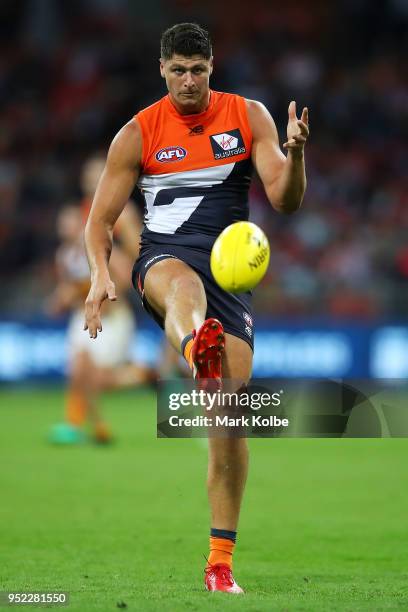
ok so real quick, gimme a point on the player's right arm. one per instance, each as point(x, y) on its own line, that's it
point(128, 226)
point(113, 191)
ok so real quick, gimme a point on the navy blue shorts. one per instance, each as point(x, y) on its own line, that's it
point(234, 311)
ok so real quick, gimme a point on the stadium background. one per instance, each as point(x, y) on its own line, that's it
point(333, 303)
point(73, 73)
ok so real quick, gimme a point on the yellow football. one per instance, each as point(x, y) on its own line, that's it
point(240, 257)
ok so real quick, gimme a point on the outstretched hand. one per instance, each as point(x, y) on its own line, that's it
point(298, 129)
point(101, 289)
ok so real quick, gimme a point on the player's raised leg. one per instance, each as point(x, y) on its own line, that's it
point(177, 294)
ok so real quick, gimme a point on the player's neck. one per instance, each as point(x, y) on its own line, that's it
point(193, 109)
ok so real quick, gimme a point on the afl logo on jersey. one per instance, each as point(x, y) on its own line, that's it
point(171, 154)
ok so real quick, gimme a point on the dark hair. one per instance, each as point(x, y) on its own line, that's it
point(185, 39)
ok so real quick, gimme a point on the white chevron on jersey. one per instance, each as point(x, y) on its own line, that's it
point(167, 221)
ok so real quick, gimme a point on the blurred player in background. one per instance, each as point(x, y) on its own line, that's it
point(93, 368)
point(127, 235)
point(192, 154)
point(128, 226)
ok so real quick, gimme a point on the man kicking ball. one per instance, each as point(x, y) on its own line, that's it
point(191, 153)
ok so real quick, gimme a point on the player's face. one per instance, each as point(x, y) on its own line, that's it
point(187, 79)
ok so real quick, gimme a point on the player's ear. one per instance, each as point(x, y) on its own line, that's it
point(161, 67)
point(211, 65)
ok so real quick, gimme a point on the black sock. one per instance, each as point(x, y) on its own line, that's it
point(223, 533)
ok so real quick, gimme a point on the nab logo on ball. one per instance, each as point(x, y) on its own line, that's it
point(171, 154)
point(227, 144)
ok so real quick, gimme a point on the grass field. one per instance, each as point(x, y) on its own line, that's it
point(323, 527)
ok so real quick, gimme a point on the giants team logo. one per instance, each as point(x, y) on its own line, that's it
point(171, 154)
point(227, 144)
point(248, 318)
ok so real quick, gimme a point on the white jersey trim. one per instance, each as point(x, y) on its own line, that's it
point(167, 220)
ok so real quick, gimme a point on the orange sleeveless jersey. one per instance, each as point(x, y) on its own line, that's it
point(195, 171)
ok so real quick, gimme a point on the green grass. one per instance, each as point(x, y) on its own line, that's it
point(323, 527)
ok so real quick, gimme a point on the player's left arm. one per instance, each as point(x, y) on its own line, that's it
point(284, 178)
